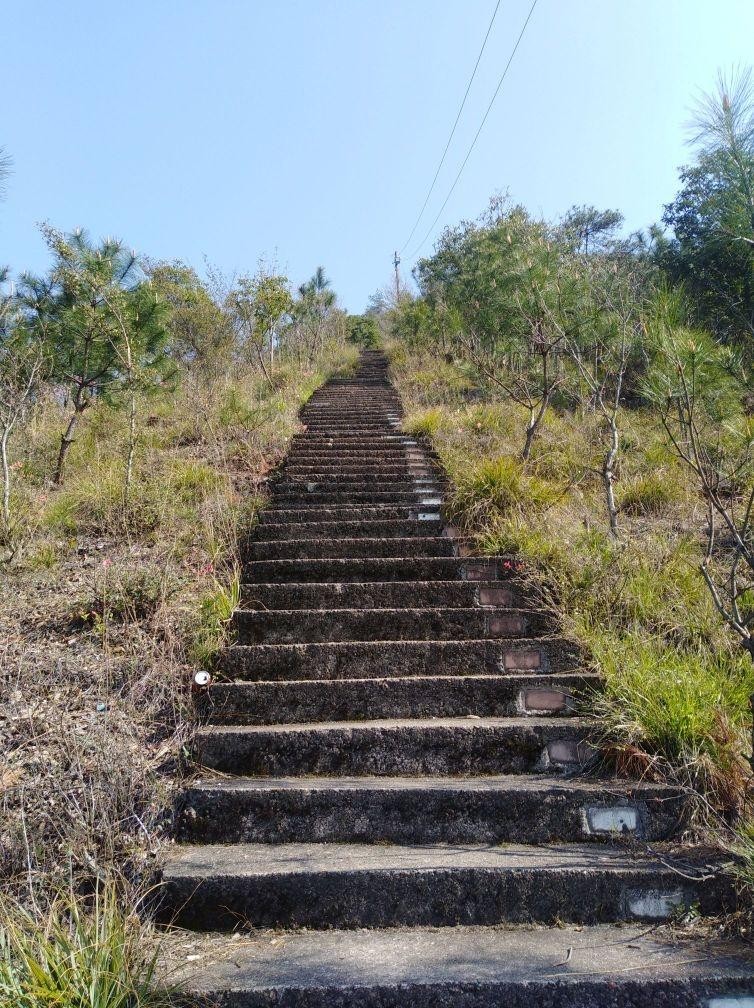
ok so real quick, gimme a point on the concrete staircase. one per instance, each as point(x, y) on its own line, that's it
point(392, 809)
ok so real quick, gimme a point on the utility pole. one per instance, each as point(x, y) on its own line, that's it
point(396, 264)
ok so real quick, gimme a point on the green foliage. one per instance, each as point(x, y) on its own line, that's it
point(712, 217)
point(493, 487)
point(652, 493)
point(364, 331)
point(424, 424)
point(76, 955)
point(215, 610)
point(199, 333)
point(670, 701)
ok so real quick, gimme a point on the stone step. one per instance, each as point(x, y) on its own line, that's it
point(396, 746)
point(309, 488)
point(391, 659)
point(603, 966)
point(354, 439)
point(352, 415)
point(334, 427)
point(294, 500)
point(275, 515)
point(378, 569)
point(384, 595)
point(369, 529)
point(350, 474)
point(326, 885)
point(420, 810)
point(349, 480)
point(282, 702)
point(322, 625)
point(298, 549)
point(313, 455)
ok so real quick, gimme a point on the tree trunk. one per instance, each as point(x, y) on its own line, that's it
point(67, 439)
point(531, 429)
point(608, 478)
point(260, 356)
point(131, 450)
point(6, 475)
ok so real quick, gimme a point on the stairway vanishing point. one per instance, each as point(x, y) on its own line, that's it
point(390, 810)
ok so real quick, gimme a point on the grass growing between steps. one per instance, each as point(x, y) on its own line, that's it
point(110, 607)
point(676, 703)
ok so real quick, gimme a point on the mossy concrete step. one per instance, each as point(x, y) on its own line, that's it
point(388, 659)
point(409, 568)
point(403, 473)
point(374, 886)
point(335, 479)
point(602, 966)
point(296, 549)
point(273, 515)
point(312, 455)
point(321, 625)
point(396, 746)
point(335, 427)
point(527, 808)
point(319, 499)
point(265, 702)
point(369, 529)
point(311, 488)
point(385, 595)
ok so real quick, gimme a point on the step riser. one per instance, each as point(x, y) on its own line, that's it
point(488, 993)
point(275, 515)
point(464, 896)
point(309, 488)
point(333, 482)
point(387, 595)
point(296, 500)
point(395, 659)
point(347, 530)
point(252, 627)
point(299, 549)
point(350, 474)
point(391, 751)
point(268, 703)
point(387, 569)
point(415, 816)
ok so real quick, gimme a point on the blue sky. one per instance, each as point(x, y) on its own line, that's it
point(308, 132)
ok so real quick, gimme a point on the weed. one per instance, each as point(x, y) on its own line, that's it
point(215, 610)
point(72, 955)
point(652, 493)
point(424, 424)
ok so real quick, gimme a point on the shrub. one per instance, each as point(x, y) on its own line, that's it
point(78, 956)
point(215, 610)
point(424, 424)
point(494, 487)
point(652, 493)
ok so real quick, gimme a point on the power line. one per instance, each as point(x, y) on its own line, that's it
point(481, 126)
point(455, 124)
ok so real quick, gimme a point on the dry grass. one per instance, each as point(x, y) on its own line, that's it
point(108, 611)
point(676, 703)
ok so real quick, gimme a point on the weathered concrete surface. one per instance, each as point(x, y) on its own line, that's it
point(414, 624)
point(404, 711)
point(372, 885)
point(462, 967)
point(384, 595)
point(301, 701)
point(375, 659)
point(392, 747)
point(502, 809)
